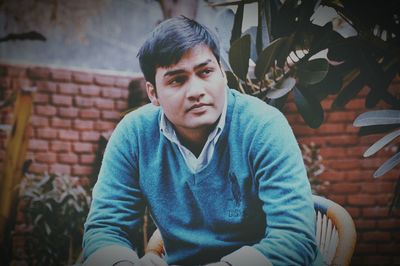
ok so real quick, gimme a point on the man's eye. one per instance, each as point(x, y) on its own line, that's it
point(177, 81)
point(206, 72)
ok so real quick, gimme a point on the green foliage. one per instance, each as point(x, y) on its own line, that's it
point(56, 207)
point(314, 166)
point(329, 47)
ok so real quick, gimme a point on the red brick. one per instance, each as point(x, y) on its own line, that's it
point(366, 248)
point(21, 83)
point(83, 101)
point(370, 163)
point(384, 200)
point(378, 187)
point(45, 110)
point(121, 105)
point(60, 122)
point(342, 164)
point(60, 169)
point(68, 88)
point(390, 223)
point(60, 75)
point(46, 86)
point(344, 188)
point(60, 146)
point(331, 175)
point(90, 136)
point(362, 223)
point(344, 140)
point(39, 121)
point(82, 78)
point(361, 200)
point(111, 115)
point(81, 170)
point(104, 126)
point(38, 145)
point(356, 151)
point(38, 73)
point(16, 72)
point(61, 100)
point(87, 159)
point(38, 168)
point(83, 124)
point(354, 212)
point(68, 112)
point(89, 90)
point(68, 134)
point(40, 98)
point(46, 157)
point(89, 113)
point(47, 133)
point(375, 212)
point(331, 128)
point(376, 236)
point(81, 147)
point(112, 93)
point(104, 80)
point(339, 199)
point(389, 248)
point(122, 82)
point(341, 116)
point(356, 104)
point(349, 128)
point(68, 158)
point(104, 103)
point(332, 152)
point(358, 175)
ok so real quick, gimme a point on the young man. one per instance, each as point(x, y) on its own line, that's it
point(221, 172)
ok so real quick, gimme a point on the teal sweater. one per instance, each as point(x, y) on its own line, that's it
point(254, 191)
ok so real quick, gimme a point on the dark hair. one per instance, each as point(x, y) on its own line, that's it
point(170, 40)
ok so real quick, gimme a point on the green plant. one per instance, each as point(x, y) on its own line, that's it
point(314, 166)
point(56, 207)
point(315, 49)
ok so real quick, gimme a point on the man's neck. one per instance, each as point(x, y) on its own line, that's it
point(194, 139)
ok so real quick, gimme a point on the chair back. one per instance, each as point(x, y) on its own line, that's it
point(335, 232)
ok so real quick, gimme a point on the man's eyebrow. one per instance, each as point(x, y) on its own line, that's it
point(179, 71)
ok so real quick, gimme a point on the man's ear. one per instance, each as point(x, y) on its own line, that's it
point(152, 93)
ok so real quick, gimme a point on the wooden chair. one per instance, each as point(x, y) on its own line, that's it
point(335, 233)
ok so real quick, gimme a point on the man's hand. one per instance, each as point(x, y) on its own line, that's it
point(151, 259)
point(220, 263)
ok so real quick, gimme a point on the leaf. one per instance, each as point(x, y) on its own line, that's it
point(232, 80)
point(381, 143)
point(313, 72)
point(262, 38)
point(268, 57)
point(365, 131)
point(388, 165)
point(239, 55)
point(309, 108)
point(379, 117)
point(279, 102)
point(281, 88)
point(237, 23)
point(349, 92)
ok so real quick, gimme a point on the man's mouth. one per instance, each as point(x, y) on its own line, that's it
point(198, 107)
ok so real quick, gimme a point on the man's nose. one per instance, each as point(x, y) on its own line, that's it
point(195, 89)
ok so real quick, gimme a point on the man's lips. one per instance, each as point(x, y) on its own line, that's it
point(197, 106)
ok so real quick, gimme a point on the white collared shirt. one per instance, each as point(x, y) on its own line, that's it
point(195, 164)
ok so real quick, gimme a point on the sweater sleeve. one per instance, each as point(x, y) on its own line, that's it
point(117, 206)
point(285, 193)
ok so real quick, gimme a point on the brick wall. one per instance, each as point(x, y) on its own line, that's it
point(73, 108)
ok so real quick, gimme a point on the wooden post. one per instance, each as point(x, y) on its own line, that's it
point(16, 146)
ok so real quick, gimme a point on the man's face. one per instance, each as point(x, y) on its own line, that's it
point(191, 92)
